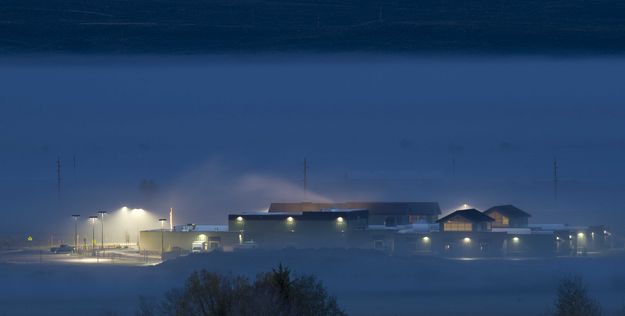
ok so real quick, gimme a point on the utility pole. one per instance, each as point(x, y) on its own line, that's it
point(305, 179)
point(102, 229)
point(76, 217)
point(555, 178)
point(162, 220)
point(58, 176)
point(453, 167)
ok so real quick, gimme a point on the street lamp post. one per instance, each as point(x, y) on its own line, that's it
point(162, 220)
point(93, 219)
point(75, 217)
point(102, 229)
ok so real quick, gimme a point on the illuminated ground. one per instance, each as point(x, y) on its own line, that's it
point(129, 257)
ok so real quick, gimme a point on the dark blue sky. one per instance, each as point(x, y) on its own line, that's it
point(223, 134)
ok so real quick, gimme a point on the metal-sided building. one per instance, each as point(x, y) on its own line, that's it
point(329, 229)
point(395, 228)
point(380, 213)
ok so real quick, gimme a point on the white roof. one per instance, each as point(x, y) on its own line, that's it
point(201, 228)
point(556, 227)
point(512, 231)
point(211, 228)
point(267, 213)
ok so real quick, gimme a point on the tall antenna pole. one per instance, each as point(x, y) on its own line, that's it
point(305, 179)
point(555, 178)
point(453, 166)
point(58, 176)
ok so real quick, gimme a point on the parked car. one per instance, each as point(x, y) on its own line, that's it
point(198, 246)
point(62, 249)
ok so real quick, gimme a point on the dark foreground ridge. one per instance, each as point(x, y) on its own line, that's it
point(248, 26)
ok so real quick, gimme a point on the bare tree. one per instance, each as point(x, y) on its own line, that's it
point(275, 293)
point(573, 299)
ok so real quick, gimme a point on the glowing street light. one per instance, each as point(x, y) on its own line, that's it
point(93, 219)
point(239, 219)
point(290, 223)
point(515, 239)
point(426, 239)
point(466, 240)
point(75, 217)
point(137, 213)
point(340, 219)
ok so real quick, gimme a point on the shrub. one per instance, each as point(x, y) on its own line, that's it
point(275, 293)
point(573, 299)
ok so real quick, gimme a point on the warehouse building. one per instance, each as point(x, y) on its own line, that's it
point(305, 230)
point(380, 213)
point(394, 228)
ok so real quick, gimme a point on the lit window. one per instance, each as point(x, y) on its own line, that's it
point(458, 226)
point(505, 220)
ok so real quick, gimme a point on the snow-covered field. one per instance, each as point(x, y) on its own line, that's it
point(366, 283)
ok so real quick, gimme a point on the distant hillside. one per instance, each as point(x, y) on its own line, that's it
point(205, 26)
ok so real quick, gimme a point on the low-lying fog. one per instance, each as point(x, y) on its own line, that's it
point(366, 283)
point(209, 136)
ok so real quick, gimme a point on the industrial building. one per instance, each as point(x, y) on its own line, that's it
point(410, 228)
point(380, 213)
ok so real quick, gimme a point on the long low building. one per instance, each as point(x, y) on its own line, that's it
point(380, 213)
point(499, 231)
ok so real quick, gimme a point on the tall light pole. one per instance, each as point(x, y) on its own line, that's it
point(137, 217)
point(102, 227)
point(93, 219)
point(162, 220)
point(75, 217)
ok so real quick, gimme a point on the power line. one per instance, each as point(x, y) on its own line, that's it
point(58, 176)
point(555, 178)
point(305, 179)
